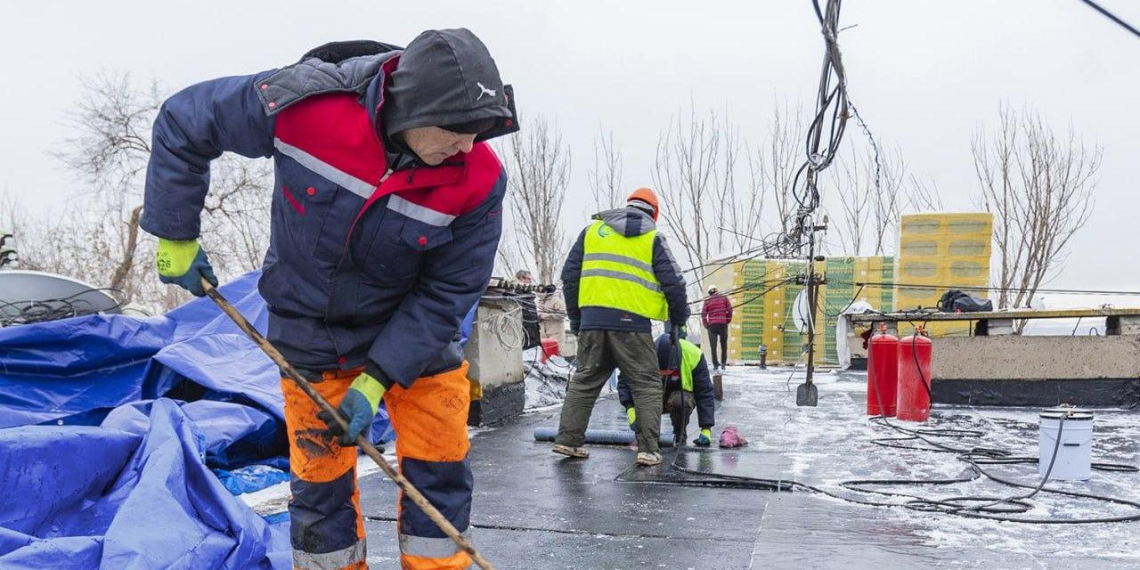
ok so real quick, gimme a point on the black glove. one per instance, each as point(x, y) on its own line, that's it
point(574, 326)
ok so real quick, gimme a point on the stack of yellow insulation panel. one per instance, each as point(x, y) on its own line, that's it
point(763, 304)
point(724, 277)
point(942, 251)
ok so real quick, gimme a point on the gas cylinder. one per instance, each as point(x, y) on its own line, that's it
point(882, 373)
point(916, 353)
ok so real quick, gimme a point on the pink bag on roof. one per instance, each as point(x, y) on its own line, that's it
point(730, 438)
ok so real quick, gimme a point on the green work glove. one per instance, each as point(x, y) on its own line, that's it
point(632, 415)
point(705, 439)
point(357, 408)
point(184, 263)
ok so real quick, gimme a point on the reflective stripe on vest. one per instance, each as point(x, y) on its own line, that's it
point(335, 560)
point(424, 547)
point(690, 358)
point(617, 273)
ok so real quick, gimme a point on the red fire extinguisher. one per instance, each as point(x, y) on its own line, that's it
point(914, 358)
point(882, 373)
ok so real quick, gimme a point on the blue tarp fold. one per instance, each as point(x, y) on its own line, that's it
point(99, 497)
point(115, 475)
point(115, 430)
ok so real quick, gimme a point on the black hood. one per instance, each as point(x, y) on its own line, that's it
point(445, 78)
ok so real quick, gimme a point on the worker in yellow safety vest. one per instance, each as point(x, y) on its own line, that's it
point(619, 276)
point(687, 385)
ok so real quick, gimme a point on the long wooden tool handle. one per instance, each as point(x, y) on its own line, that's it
point(370, 450)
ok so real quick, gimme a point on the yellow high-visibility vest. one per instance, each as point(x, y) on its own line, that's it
point(617, 273)
point(690, 358)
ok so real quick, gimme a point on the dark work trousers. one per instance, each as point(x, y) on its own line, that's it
point(718, 333)
point(673, 408)
point(599, 352)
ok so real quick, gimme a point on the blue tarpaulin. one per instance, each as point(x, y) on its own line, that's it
point(75, 371)
point(112, 425)
point(123, 440)
point(100, 497)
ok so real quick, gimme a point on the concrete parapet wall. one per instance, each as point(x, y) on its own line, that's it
point(1036, 358)
point(495, 355)
point(493, 361)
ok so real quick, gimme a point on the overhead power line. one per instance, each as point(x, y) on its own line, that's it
point(1112, 17)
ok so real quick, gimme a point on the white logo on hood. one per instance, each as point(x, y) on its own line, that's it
point(484, 91)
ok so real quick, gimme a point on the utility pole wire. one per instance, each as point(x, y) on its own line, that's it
point(1112, 17)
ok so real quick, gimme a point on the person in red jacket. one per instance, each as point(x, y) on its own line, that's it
point(715, 316)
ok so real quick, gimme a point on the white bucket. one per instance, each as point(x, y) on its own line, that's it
point(1074, 456)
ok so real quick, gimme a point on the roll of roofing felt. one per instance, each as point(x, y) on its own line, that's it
point(601, 436)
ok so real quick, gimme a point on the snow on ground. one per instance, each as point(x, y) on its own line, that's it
point(274, 499)
point(545, 381)
point(831, 443)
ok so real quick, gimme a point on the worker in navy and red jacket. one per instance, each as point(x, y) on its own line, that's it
point(386, 215)
point(715, 316)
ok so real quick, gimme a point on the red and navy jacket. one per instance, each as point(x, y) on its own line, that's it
point(717, 310)
point(373, 259)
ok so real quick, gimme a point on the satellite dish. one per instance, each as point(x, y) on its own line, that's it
point(801, 312)
point(32, 296)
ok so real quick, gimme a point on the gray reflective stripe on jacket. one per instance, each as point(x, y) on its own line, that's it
point(335, 560)
point(623, 276)
point(615, 258)
point(330, 172)
point(430, 547)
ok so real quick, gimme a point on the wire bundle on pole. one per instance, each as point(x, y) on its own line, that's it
point(829, 123)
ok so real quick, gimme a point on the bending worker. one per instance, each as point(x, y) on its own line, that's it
point(685, 377)
point(386, 215)
point(619, 275)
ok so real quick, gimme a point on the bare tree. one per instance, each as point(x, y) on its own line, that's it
point(708, 212)
point(605, 177)
point(774, 162)
point(238, 212)
point(684, 174)
point(923, 195)
point(109, 153)
point(850, 186)
point(743, 212)
point(869, 187)
point(539, 173)
point(724, 206)
point(96, 237)
point(1039, 187)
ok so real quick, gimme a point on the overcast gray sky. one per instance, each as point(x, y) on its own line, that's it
point(926, 75)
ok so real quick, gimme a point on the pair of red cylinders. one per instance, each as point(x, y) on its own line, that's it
point(898, 376)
